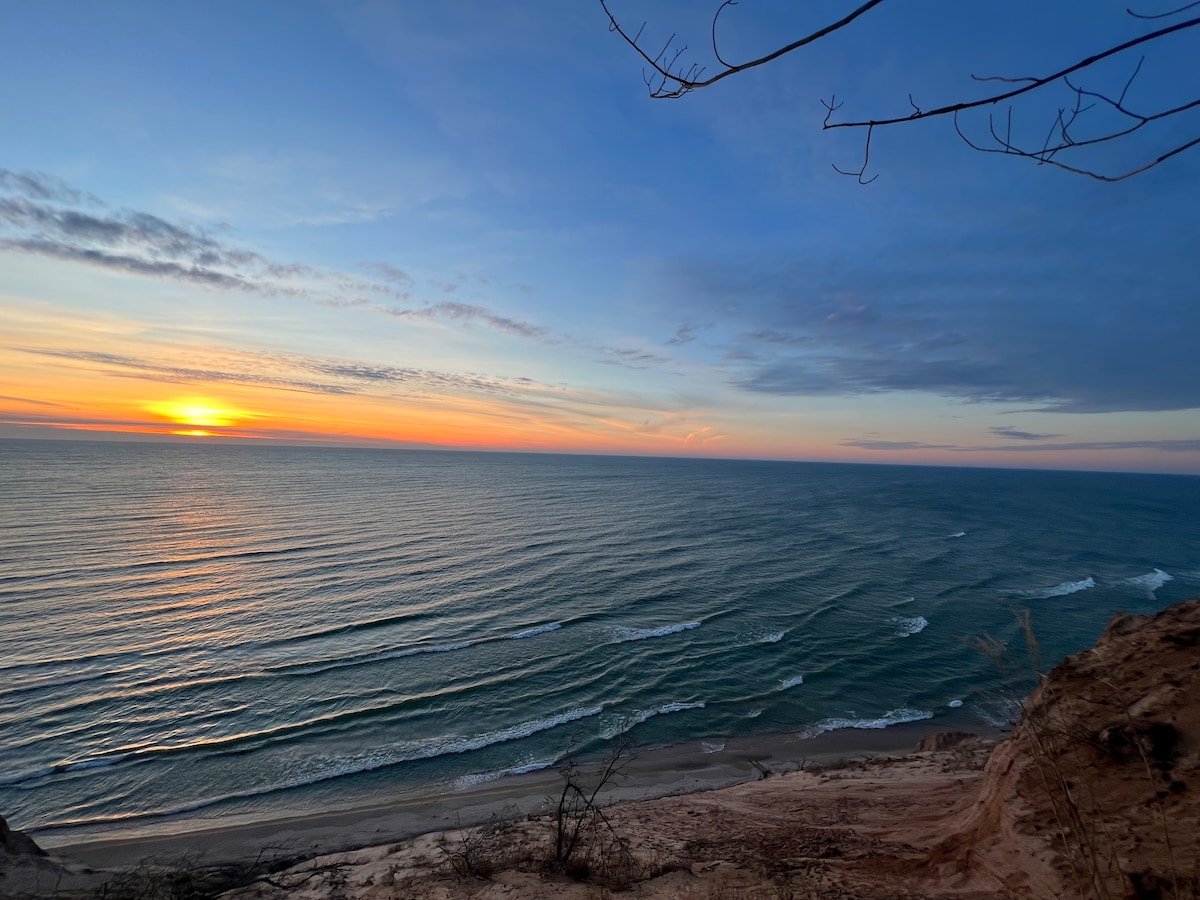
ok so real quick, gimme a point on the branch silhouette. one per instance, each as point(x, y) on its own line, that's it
point(668, 74)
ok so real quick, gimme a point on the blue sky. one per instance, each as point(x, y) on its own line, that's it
point(465, 224)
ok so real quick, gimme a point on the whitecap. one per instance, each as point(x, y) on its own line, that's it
point(773, 638)
point(891, 717)
point(1061, 590)
point(626, 723)
point(957, 534)
point(954, 704)
point(792, 682)
point(622, 633)
point(909, 625)
point(533, 632)
point(1150, 582)
point(322, 768)
point(466, 781)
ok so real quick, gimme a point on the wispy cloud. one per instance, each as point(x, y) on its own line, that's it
point(468, 313)
point(44, 216)
point(1007, 431)
point(287, 372)
point(1166, 445)
point(684, 334)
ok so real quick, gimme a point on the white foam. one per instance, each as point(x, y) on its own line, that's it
point(754, 713)
point(712, 748)
point(954, 704)
point(467, 781)
point(891, 717)
point(626, 723)
point(791, 682)
point(1061, 590)
point(957, 534)
point(909, 625)
point(322, 768)
point(98, 762)
point(1150, 582)
point(533, 632)
point(621, 633)
point(748, 638)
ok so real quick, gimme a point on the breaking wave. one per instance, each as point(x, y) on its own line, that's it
point(891, 717)
point(534, 632)
point(1150, 582)
point(1061, 590)
point(622, 633)
point(909, 625)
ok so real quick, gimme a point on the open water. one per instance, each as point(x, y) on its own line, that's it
point(209, 632)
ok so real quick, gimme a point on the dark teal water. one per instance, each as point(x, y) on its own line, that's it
point(213, 631)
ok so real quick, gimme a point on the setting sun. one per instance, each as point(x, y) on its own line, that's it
point(202, 413)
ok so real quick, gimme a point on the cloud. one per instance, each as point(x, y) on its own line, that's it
point(304, 374)
point(684, 334)
point(878, 444)
point(41, 216)
point(630, 358)
point(389, 272)
point(1058, 312)
point(133, 367)
point(40, 186)
point(468, 312)
point(1166, 445)
point(1009, 432)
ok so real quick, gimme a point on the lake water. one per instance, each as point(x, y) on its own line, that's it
point(206, 632)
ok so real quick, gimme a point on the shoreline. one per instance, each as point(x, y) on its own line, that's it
point(655, 772)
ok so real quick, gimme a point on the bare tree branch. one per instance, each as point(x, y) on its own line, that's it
point(669, 76)
point(669, 83)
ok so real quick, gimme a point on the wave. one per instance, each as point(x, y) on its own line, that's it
point(98, 762)
point(909, 625)
point(628, 723)
point(622, 633)
point(954, 704)
point(323, 768)
point(791, 682)
point(468, 781)
point(891, 717)
point(533, 632)
point(1061, 590)
point(957, 534)
point(447, 745)
point(747, 639)
point(712, 748)
point(316, 667)
point(1150, 582)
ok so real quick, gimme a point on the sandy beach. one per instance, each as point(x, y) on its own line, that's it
point(653, 773)
point(861, 828)
point(862, 807)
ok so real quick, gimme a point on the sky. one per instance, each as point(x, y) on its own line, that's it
point(466, 225)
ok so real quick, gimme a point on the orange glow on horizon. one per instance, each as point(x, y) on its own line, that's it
point(197, 411)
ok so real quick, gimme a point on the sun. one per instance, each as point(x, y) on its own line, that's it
point(197, 413)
